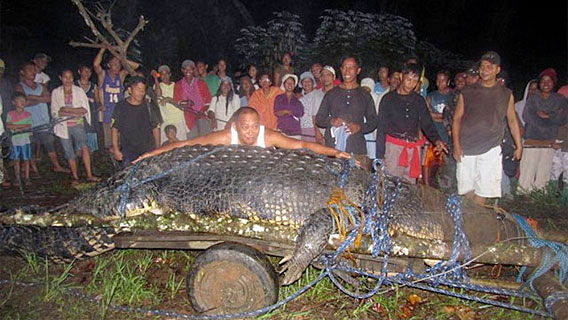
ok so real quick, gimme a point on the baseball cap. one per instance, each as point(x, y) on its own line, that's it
point(164, 68)
point(188, 63)
point(473, 70)
point(40, 55)
point(492, 57)
point(330, 69)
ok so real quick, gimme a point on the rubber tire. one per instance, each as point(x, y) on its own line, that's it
point(231, 278)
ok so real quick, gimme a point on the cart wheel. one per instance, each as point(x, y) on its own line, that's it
point(231, 278)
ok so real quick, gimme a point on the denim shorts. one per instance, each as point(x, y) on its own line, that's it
point(21, 152)
point(77, 137)
point(46, 139)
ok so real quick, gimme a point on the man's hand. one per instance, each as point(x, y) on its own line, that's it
point(458, 152)
point(518, 153)
point(101, 108)
point(213, 123)
point(319, 137)
point(440, 146)
point(343, 155)
point(337, 122)
point(117, 155)
point(283, 113)
point(353, 128)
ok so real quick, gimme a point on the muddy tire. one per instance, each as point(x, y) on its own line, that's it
point(231, 278)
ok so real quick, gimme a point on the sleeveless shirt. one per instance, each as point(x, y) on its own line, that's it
point(259, 140)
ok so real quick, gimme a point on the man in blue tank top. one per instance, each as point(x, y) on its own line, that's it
point(37, 98)
point(110, 83)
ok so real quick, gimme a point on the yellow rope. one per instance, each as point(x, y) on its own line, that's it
point(336, 204)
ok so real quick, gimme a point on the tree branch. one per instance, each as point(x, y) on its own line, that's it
point(76, 44)
point(141, 24)
point(89, 21)
point(106, 21)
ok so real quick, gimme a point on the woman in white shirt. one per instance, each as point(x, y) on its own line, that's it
point(223, 105)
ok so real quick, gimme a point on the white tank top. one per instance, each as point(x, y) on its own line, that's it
point(259, 140)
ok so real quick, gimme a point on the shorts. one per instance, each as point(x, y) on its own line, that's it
point(431, 159)
point(106, 135)
point(21, 152)
point(92, 142)
point(46, 139)
point(481, 174)
point(78, 137)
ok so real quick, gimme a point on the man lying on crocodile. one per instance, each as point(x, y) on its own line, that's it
point(246, 130)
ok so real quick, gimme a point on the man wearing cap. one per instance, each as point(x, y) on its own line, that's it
point(472, 75)
point(311, 101)
point(328, 78)
point(545, 112)
point(477, 131)
point(348, 112)
point(110, 83)
point(171, 115)
point(41, 60)
point(192, 94)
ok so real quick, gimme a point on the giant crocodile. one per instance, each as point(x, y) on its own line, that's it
point(277, 195)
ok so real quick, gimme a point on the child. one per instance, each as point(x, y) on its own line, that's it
point(171, 134)
point(18, 120)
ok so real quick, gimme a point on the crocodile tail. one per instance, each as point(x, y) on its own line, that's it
point(59, 244)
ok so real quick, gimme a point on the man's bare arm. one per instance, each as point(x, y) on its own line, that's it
point(97, 64)
point(456, 128)
point(276, 139)
point(514, 127)
point(222, 137)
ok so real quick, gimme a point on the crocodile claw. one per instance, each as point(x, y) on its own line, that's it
point(312, 239)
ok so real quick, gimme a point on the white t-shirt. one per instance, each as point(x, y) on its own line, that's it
point(224, 111)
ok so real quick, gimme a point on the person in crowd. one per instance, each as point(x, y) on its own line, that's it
point(69, 100)
point(459, 81)
point(382, 85)
point(90, 88)
point(247, 130)
point(288, 109)
point(211, 79)
point(282, 69)
point(311, 101)
point(403, 114)
point(315, 70)
point(530, 89)
point(328, 78)
point(246, 90)
point(37, 98)
point(347, 112)
point(110, 83)
point(6, 91)
point(263, 101)
point(477, 132)
point(192, 94)
point(371, 138)
point(437, 101)
point(252, 72)
point(135, 123)
point(223, 74)
point(41, 60)
point(21, 152)
point(223, 105)
point(170, 112)
point(171, 135)
point(472, 75)
point(395, 77)
point(545, 112)
point(560, 159)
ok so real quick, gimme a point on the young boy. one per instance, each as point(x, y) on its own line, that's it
point(18, 120)
point(137, 123)
point(171, 133)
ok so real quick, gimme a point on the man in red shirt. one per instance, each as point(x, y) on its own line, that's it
point(192, 94)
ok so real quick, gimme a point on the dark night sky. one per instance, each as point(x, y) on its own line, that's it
point(529, 37)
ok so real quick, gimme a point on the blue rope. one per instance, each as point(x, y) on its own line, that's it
point(555, 253)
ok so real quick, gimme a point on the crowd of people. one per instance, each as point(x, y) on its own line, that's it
point(469, 121)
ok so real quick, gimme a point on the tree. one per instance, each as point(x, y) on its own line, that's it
point(116, 40)
point(265, 45)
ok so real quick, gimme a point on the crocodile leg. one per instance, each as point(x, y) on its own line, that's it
point(312, 238)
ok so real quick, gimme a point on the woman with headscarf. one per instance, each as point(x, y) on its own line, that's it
point(544, 113)
point(530, 88)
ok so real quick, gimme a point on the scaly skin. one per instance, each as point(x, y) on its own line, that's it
point(280, 189)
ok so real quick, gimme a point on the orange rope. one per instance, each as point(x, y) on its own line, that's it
point(337, 202)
